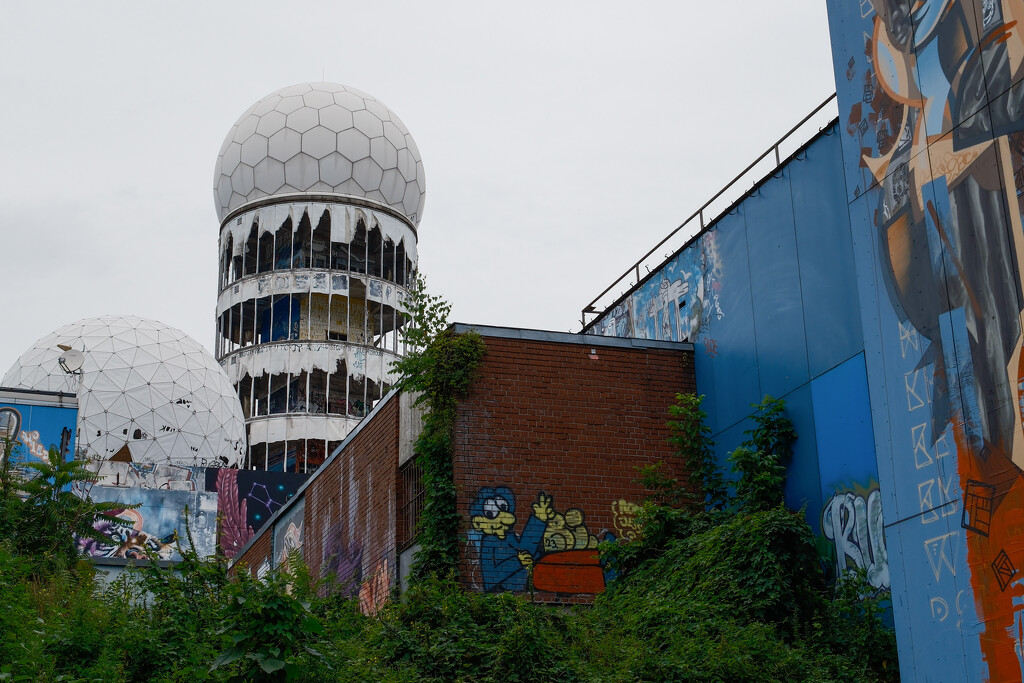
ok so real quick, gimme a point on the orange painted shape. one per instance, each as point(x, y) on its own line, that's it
point(571, 571)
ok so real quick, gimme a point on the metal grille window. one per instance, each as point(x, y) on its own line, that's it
point(413, 495)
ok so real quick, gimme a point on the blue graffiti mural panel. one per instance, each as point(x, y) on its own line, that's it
point(35, 430)
point(289, 536)
point(933, 122)
point(826, 266)
point(775, 284)
point(158, 527)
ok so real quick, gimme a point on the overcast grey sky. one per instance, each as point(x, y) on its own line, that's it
point(561, 140)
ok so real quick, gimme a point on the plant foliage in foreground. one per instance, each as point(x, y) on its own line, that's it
point(730, 593)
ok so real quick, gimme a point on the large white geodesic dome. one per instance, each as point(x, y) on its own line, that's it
point(320, 138)
point(144, 385)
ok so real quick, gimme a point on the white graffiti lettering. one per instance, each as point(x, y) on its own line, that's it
point(854, 525)
point(34, 446)
point(941, 553)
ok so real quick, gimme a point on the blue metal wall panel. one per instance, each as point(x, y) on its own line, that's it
point(842, 425)
point(931, 144)
point(825, 252)
point(852, 522)
point(775, 287)
point(803, 482)
point(726, 353)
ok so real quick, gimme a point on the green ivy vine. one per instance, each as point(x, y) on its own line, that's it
point(439, 366)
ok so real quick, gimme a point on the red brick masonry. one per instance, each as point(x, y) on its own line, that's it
point(547, 449)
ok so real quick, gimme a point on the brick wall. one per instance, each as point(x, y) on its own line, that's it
point(571, 422)
point(554, 420)
point(350, 513)
point(256, 554)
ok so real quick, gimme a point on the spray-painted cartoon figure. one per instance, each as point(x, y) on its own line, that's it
point(505, 559)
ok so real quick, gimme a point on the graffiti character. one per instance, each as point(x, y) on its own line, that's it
point(374, 592)
point(505, 559)
point(127, 539)
point(950, 237)
point(624, 518)
point(854, 525)
point(568, 532)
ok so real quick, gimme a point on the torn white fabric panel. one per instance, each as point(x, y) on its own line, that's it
point(277, 429)
point(281, 357)
point(258, 431)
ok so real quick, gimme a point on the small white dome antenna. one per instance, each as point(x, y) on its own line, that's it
point(71, 361)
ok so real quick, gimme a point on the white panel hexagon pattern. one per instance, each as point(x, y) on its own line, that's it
point(144, 385)
point(305, 128)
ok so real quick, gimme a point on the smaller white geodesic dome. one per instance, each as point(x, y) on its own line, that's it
point(144, 385)
point(320, 138)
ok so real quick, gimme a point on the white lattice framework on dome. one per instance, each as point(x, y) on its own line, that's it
point(146, 389)
point(319, 188)
point(320, 138)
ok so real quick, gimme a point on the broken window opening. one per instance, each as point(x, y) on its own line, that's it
point(266, 253)
point(245, 395)
point(301, 259)
point(297, 393)
point(251, 250)
point(283, 246)
point(357, 250)
point(389, 259)
point(258, 456)
point(261, 394)
point(322, 242)
point(357, 397)
point(374, 252)
point(400, 263)
point(278, 393)
point(225, 263)
point(337, 384)
point(276, 456)
point(315, 454)
point(318, 391)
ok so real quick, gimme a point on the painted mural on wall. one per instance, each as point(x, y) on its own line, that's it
point(931, 97)
point(341, 561)
point(156, 529)
point(852, 522)
point(555, 551)
point(35, 430)
point(675, 304)
point(288, 538)
point(246, 500)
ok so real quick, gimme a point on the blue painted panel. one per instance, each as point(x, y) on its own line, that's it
point(850, 29)
point(851, 518)
point(35, 430)
point(726, 353)
point(803, 482)
point(842, 427)
point(775, 287)
point(825, 249)
point(728, 441)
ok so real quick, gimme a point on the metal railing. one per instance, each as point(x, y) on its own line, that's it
point(634, 270)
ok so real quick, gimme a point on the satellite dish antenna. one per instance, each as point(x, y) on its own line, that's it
point(71, 360)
